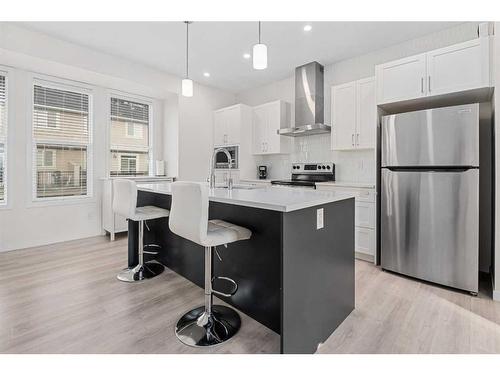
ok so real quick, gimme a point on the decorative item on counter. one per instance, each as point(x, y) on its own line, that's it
point(262, 172)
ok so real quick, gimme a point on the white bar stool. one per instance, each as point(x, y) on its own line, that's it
point(125, 204)
point(210, 324)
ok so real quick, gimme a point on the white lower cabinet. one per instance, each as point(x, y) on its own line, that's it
point(365, 214)
point(364, 218)
point(365, 241)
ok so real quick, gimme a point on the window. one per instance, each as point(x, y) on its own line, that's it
point(129, 138)
point(128, 164)
point(46, 158)
point(61, 142)
point(3, 138)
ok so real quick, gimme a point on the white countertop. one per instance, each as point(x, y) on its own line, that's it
point(139, 178)
point(282, 199)
point(256, 180)
point(364, 185)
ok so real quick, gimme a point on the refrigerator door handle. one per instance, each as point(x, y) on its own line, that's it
point(431, 169)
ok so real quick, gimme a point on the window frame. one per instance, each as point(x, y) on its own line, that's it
point(138, 99)
point(5, 203)
point(66, 85)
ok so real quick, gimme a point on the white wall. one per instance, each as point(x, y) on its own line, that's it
point(350, 165)
point(196, 132)
point(22, 52)
point(496, 102)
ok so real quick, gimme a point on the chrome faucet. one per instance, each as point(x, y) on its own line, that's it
point(211, 179)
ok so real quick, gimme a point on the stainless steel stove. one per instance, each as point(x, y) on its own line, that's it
point(306, 175)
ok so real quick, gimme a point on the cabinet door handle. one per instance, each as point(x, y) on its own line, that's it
point(357, 139)
point(352, 139)
point(422, 85)
point(429, 83)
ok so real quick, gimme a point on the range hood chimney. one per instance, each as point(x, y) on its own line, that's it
point(309, 103)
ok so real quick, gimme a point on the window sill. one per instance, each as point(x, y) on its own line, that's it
point(47, 202)
point(5, 206)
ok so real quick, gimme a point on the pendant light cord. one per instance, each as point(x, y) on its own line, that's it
point(187, 49)
point(259, 32)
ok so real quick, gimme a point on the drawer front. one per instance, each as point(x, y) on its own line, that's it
point(360, 194)
point(365, 214)
point(365, 241)
point(121, 224)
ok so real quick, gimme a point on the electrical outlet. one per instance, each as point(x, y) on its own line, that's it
point(319, 218)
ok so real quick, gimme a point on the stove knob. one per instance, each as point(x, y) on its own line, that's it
point(327, 167)
point(323, 167)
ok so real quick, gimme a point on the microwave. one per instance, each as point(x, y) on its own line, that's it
point(221, 161)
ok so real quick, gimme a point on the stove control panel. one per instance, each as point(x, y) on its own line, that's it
point(323, 168)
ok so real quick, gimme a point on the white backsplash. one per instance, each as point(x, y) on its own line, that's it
point(350, 166)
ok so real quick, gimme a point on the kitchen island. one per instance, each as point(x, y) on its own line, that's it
point(296, 273)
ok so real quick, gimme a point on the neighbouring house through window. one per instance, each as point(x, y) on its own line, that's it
point(61, 141)
point(130, 149)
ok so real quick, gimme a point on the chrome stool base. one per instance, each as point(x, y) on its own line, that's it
point(220, 326)
point(139, 273)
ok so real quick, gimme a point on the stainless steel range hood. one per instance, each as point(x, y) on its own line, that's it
point(309, 107)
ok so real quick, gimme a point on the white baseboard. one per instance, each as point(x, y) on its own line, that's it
point(496, 295)
point(496, 292)
point(363, 256)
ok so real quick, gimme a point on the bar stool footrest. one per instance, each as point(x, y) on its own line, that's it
point(231, 293)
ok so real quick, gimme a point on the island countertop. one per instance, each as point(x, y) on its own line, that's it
point(283, 199)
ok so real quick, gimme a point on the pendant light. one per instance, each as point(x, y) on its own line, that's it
point(187, 84)
point(259, 55)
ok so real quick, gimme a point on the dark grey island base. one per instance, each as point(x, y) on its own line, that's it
point(292, 278)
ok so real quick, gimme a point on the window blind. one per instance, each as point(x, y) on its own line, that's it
point(3, 137)
point(129, 138)
point(61, 142)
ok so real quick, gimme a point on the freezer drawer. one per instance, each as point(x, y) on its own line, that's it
point(430, 226)
point(435, 137)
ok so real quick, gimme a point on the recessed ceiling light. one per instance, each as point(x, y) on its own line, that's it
point(308, 28)
point(206, 74)
point(246, 56)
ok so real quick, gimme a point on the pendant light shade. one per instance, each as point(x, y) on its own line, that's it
point(187, 87)
point(259, 55)
point(187, 84)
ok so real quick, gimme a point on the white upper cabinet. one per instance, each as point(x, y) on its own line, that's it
point(401, 80)
point(460, 67)
point(233, 125)
point(353, 115)
point(267, 119)
point(220, 128)
point(366, 113)
point(259, 129)
point(343, 116)
point(227, 125)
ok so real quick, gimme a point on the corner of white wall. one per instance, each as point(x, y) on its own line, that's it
point(496, 81)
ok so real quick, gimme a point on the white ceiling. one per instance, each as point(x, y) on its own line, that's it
point(218, 47)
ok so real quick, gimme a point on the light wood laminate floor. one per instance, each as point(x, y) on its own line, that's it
point(65, 298)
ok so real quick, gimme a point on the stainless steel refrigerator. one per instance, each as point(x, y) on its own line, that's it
point(429, 204)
